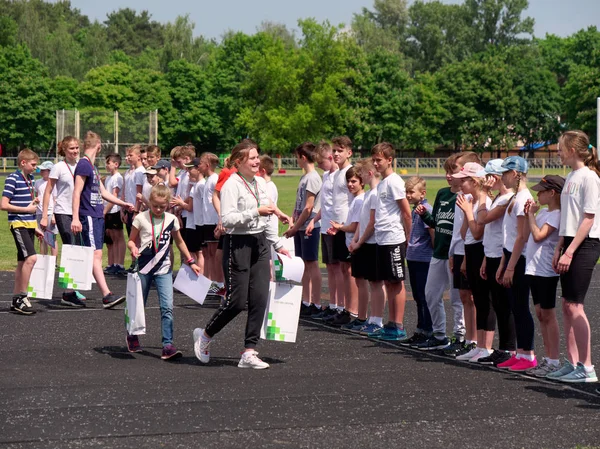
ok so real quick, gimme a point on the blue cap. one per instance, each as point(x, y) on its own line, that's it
point(162, 164)
point(516, 163)
point(493, 167)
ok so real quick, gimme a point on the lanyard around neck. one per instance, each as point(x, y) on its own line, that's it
point(96, 174)
point(255, 184)
point(29, 185)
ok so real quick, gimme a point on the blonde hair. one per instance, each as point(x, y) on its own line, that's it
point(365, 165)
point(415, 181)
point(27, 155)
point(160, 191)
point(91, 140)
point(211, 158)
point(322, 151)
point(580, 143)
point(153, 149)
point(188, 150)
point(136, 149)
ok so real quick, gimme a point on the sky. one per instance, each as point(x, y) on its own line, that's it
point(214, 18)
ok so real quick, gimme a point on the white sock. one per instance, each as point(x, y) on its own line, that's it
point(589, 369)
point(553, 362)
point(340, 308)
point(220, 284)
point(471, 341)
point(531, 358)
point(377, 320)
point(353, 315)
point(520, 356)
point(318, 306)
point(306, 303)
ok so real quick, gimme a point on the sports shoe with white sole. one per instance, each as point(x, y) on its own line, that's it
point(250, 360)
point(201, 345)
point(579, 375)
point(468, 355)
point(483, 352)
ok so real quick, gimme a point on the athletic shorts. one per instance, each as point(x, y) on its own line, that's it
point(128, 221)
point(543, 290)
point(208, 233)
point(92, 232)
point(576, 282)
point(221, 242)
point(24, 239)
point(459, 280)
point(340, 250)
point(193, 239)
point(63, 223)
point(327, 249)
point(362, 262)
point(389, 262)
point(306, 247)
point(113, 221)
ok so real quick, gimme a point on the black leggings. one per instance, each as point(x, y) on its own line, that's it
point(486, 317)
point(518, 297)
point(504, 315)
point(247, 273)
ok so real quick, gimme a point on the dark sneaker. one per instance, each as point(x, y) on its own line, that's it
point(501, 357)
point(133, 343)
point(342, 318)
point(303, 308)
point(459, 348)
point(392, 333)
point(110, 300)
point(170, 352)
point(21, 305)
point(109, 270)
point(309, 311)
point(355, 325)
point(415, 339)
point(71, 300)
point(494, 357)
point(329, 317)
point(322, 314)
point(432, 344)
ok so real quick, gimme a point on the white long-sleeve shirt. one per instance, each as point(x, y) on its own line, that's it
point(239, 208)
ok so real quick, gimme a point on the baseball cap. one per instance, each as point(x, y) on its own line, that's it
point(493, 167)
point(516, 163)
point(550, 182)
point(469, 170)
point(46, 165)
point(151, 171)
point(162, 164)
point(195, 163)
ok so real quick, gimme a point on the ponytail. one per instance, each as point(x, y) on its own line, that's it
point(592, 160)
point(579, 142)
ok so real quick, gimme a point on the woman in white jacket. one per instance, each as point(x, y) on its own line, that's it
point(245, 209)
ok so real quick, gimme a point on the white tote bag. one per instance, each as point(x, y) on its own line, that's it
point(41, 282)
point(135, 318)
point(75, 271)
point(283, 312)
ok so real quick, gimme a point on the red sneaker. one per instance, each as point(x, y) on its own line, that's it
point(523, 365)
point(510, 362)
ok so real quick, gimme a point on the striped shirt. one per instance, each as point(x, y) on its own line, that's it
point(20, 192)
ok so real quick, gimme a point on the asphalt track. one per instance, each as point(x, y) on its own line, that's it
point(67, 381)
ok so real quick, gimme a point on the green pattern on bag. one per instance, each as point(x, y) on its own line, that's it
point(273, 332)
point(65, 280)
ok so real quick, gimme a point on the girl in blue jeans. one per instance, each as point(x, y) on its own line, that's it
point(155, 228)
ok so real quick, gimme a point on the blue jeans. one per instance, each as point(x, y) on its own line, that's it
point(164, 286)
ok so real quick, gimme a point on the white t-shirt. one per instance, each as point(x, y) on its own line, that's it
point(492, 236)
point(354, 214)
point(210, 213)
point(63, 173)
point(469, 240)
point(341, 197)
point(183, 190)
point(388, 220)
point(274, 196)
point(580, 195)
point(509, 225)
point(40, 188)
point(369, 204)
point(197, 200)
point(326, 199)
point(133, 178)
point(111, 183)
point(146, 189)
point(457, 244)
point(539, 255)
point(143, 223)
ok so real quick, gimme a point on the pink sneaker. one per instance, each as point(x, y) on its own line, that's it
point(510, 362)
point(523, 365)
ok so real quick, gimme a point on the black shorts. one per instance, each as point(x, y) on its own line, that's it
point(390, 264)
point(63, 223)
point(327, 249)
point(543, 290)
point(340, 250)
point(24, 238)
point(306, 247)
point(221, 242)
point(459, 280)
point(113, 221)
point(193, 240)
point(128, 221)
point(208, 233)
point(361, 262)
point(576, 282)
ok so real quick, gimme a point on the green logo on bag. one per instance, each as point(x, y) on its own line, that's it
point(30, 292)
point(64, 279)
point(273, 332)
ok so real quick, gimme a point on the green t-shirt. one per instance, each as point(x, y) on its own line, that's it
point(442, 219)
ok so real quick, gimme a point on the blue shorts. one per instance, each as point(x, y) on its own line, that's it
point(92, 232)
point(307, 247)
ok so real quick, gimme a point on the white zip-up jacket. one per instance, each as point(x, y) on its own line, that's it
point(239, 208)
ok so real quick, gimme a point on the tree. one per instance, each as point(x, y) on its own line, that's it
point(132, 32)
point(384, 26)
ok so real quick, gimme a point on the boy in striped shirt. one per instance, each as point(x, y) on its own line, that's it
point(18, 199)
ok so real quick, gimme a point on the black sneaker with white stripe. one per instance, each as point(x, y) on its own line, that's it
point(21, 305)
point(110, 300)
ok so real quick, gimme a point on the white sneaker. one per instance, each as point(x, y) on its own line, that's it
point(481, 354)
point(201, 345)
point(469, 355)
point(250, 360)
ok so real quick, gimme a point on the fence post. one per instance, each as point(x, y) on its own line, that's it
point(117, 132)
point(278, 162)
point(544, 167)
point(438, 165)
point(417, 165)
point(395, 164)
point(3, 164)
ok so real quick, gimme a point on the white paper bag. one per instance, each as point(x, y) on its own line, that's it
point(75, 271)
point(188, 283)
point(41, 282)
point(283, 313)
point(135, 319)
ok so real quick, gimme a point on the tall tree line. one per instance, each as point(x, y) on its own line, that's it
point(422, 76)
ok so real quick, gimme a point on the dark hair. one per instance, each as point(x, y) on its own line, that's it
point(241, 150)
point(153, 149)
point(113, 157)
point(384, 148)
point(308, 150)
point(342, 141)
point(580, 143)
point(267, 164)
point(353, 172)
